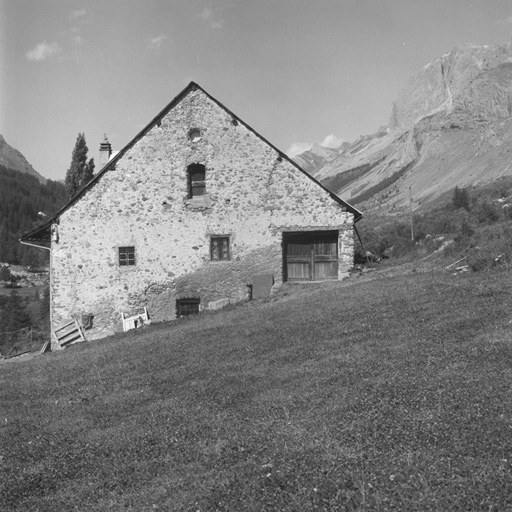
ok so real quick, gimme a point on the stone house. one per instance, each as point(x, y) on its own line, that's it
point(190, 215)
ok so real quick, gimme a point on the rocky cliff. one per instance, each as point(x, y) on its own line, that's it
point(450, 126)
point(13, 159)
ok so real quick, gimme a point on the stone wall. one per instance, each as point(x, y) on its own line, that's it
point(252, 195)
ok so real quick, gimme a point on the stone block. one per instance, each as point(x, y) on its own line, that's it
point(262, 285)
point(218, 304)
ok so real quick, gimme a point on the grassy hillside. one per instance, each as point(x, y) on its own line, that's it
point(377, 394)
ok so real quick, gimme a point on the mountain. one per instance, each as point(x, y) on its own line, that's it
point(12, 159)
point(450, 126)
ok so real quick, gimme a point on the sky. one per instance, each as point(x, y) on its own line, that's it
point(297, 71)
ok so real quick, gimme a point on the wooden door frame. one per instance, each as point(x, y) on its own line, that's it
point(307, 237)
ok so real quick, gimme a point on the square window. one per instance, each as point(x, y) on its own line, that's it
point(185, 307)
point(126, 256)
point(219, 248)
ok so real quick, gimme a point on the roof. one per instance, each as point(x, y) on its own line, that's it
point(42, 233)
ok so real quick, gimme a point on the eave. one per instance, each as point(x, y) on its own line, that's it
point(40, 234)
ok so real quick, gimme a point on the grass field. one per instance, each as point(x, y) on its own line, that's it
point(383, 393)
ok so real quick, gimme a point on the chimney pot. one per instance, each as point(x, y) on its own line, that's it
point(105, 152)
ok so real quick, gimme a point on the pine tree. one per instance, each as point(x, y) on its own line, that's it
point(80, 172)
point(460, 199)
point(5, 274)
point(44, 309)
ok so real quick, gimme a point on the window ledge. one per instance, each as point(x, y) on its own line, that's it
point(199, 202)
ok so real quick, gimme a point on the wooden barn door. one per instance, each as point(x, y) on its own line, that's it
point(311, 256)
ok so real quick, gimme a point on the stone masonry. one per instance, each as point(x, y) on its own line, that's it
point(140, 199)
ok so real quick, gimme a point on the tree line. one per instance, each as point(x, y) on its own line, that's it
point(22, 197)
point(25, 203)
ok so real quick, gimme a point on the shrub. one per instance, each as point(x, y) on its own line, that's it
point(490, 247)
point(486, 212)
point(470, 228)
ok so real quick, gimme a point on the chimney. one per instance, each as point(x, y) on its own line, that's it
point(105, 152)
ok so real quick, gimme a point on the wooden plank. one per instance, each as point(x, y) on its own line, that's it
point(298, 271)
point(326, 270)
point(70, 338)
point(66, 330)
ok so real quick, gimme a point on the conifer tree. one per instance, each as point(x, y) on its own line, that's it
point(460, 199)
point(44, 310)
point(80, 172)
point(5, 274)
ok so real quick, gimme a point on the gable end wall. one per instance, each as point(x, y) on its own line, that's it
point(252, 196)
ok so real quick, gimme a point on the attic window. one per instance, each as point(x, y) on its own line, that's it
point(186, 307)
point(196, 176)
point(194, 135)
point(126, 256)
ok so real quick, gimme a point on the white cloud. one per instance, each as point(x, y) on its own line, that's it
point(297, 148)
point(43, 51)
point(79, 13)
point(155, 43)
point(331, 141)
point(210, 16)
point(504, 21)
point(206, 13)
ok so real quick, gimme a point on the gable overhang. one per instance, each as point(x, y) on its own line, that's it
point(43, 232)
point(40, 235)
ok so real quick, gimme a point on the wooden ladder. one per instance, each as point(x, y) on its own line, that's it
point(69, 332)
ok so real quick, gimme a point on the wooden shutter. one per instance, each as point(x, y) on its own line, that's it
point(197, 180)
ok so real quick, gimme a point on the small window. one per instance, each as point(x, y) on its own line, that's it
point(126, 256)
point(185, 307)
point(219, 248)
point(194, 135)
point(196, 174)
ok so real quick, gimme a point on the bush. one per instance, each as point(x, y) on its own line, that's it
point(486, 212)
point(396, 235)
point(470, 227)
point(490, 247)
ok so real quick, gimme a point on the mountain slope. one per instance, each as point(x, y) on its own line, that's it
point(11, 158)
point(450, 126)
point(22, 198)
